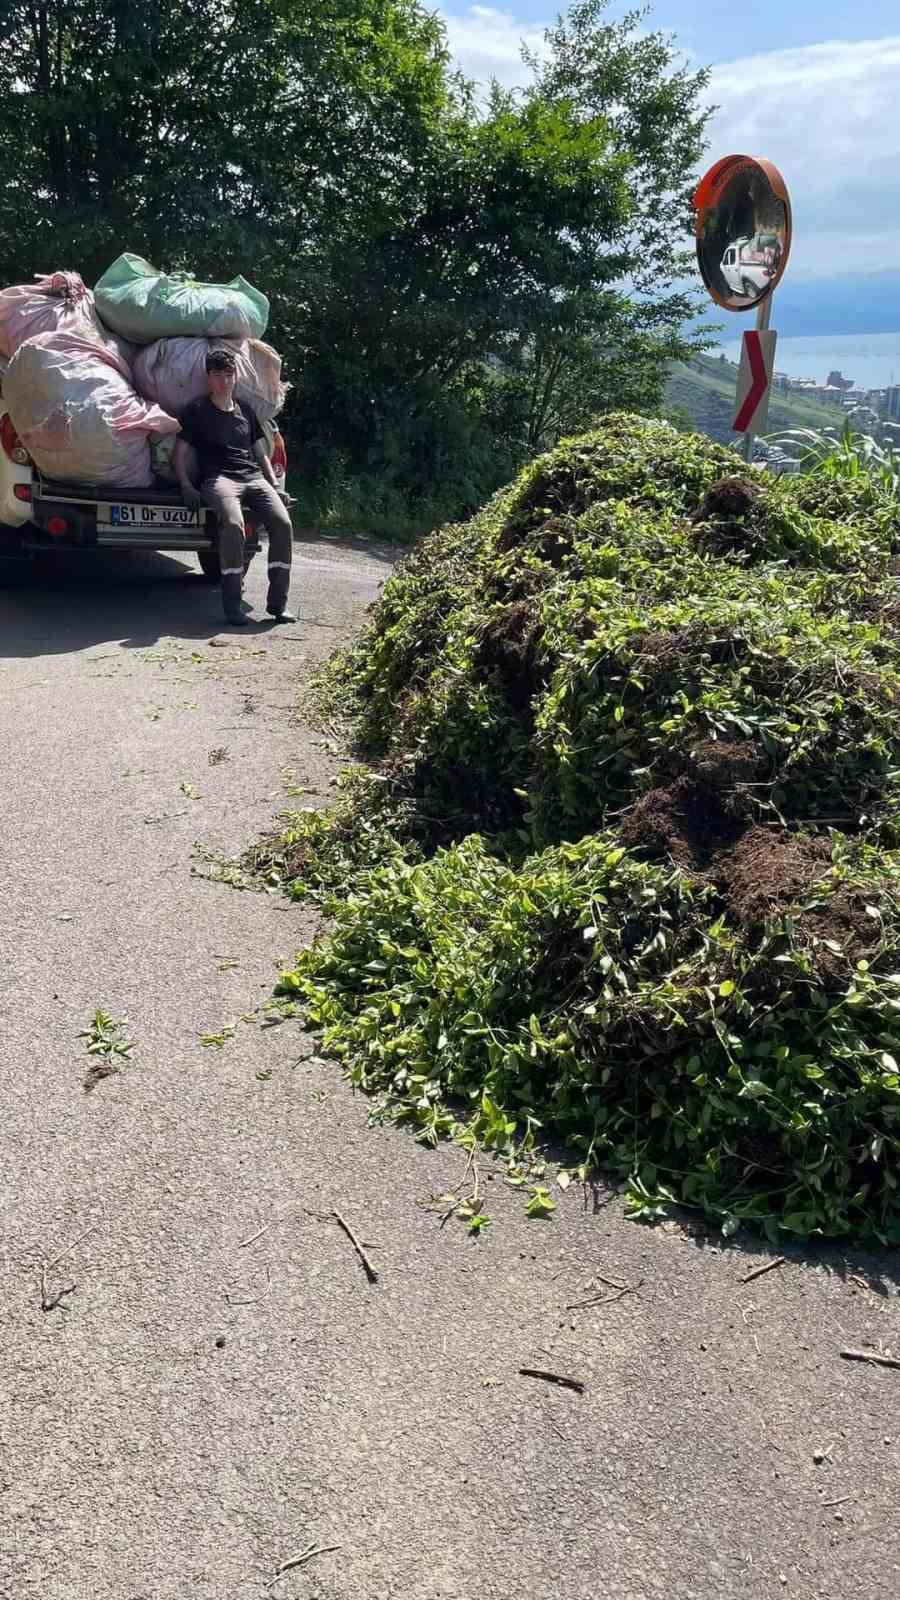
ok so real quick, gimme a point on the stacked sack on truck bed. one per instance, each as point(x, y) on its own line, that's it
point(57, 302)
point(173, 373)
point(96, 382)
point(77, 413)
point(69, 389)
point(144, 305)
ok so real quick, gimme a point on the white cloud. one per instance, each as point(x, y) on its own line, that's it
point(487, 43)
point(826, 115)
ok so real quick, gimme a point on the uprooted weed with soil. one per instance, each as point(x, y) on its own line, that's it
point(621, 867)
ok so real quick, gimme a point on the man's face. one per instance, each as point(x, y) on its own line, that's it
point(221, 385)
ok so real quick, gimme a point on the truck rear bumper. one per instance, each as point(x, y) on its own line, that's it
point(61, 519)
point(154, 539)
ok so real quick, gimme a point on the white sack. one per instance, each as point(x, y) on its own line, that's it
point(173, 373)
point(76, 412)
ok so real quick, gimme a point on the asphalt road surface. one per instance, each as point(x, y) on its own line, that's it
point(215, 1387)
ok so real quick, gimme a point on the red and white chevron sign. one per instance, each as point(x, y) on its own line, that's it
point(754, 381)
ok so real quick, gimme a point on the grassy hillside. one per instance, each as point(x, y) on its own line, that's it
point(703, 390)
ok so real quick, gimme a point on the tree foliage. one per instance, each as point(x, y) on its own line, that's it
point(454, 281)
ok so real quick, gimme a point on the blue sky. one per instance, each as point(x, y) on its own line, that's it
point(814, 87)
point(718, 32)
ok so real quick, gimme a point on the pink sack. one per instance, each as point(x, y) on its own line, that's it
point(56, 301)
point(75, 411)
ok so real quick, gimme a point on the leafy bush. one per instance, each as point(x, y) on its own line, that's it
point(851, 456)
point(622, 868)
point(368, 505)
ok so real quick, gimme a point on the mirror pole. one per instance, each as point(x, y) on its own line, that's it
point(763, 318)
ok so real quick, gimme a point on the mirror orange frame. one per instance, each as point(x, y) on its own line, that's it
point(743, 229)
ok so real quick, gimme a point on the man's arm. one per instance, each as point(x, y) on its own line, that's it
point(268, 471)
point(189, 492)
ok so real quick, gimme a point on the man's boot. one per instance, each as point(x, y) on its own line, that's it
point(232, 588)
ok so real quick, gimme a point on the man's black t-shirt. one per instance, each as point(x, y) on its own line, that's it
point(223, 440)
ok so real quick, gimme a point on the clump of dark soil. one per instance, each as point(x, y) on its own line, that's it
point(701, 813)
point(767, 868)
point(723, 762)
point(509, 646)
point(730, 497)
point(724, 517)
point(658, 654)
point(843, 922)
point(726, 764)
point(685, 821)
point(762, 1153)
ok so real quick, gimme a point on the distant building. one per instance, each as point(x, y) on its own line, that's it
point(892, 401)
point(836, 380)
point(824, 392)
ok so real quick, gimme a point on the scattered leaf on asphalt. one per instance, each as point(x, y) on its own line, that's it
point(217, 1040)
point(104, 1042)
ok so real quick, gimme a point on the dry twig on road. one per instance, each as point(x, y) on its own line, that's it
point(552, 1377)
point(301, 1560)
point(874, 1357)
point(767, 1266)
point(252, 1238)
point(50, 1302)
point(606, 1299)
point(370, 1272)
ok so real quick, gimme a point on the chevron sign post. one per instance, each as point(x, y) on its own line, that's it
point(754, 381)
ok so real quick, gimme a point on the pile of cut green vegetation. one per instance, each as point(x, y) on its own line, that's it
point(618, 871)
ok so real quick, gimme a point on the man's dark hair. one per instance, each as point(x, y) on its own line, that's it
point(220, 361)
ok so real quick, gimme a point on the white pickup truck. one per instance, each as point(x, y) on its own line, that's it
point(749, 265)
point(40, 514)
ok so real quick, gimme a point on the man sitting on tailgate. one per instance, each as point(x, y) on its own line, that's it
point(235, 472)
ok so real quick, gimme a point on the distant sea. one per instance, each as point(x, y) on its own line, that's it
point(872, 360)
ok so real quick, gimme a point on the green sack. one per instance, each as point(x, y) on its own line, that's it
point(142, 304)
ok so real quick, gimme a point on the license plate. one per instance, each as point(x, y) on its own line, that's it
point(137, 516)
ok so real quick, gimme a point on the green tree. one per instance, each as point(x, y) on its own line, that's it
point(599, 352)
point(453, 283)
point(651, 103)
point(230, 133)
point(548, 240)
point(610, 343)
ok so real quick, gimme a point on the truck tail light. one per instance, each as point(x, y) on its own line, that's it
point(22, 491)
point(11, 442)
point(57, 526)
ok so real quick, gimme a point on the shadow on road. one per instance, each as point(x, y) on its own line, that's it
point(873, 1267)
point(307, 540)
point(70, 600)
